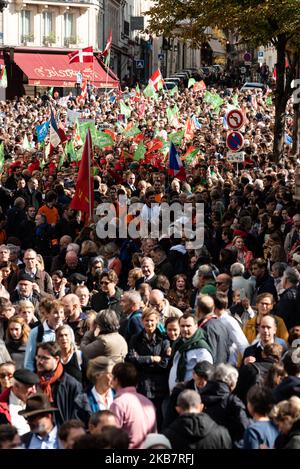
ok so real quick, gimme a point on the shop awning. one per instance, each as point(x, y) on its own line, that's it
point(55, 70)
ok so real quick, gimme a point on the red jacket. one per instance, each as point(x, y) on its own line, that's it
point(4, 407)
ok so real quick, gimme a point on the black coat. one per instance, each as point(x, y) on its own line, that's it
point(64, 392)
point(293, 437)
point(197, 431)
point(101, 301)
point(219, 340)
point(251, 374)
point(289, 386)
point(153, 377)
point(286, 308)
point(225, 408)
point(265, 284)
point(17, 352)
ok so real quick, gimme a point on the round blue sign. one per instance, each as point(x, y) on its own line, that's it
point(234, 141)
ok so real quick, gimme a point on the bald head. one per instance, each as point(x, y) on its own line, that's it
point(72, 307)
point(205, 306)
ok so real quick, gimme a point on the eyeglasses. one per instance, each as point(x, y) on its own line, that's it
point(104, 283)
point(42, 358)
point(6, 375)
point(219, 283)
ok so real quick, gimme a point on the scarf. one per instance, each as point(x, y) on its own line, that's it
point(45, 383)
point(198, 340)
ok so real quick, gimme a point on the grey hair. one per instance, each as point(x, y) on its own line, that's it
point(73, 247)
point(237, 269)
point(134, 297)
point(292, 275)
point(280, 267)
point(205, 270)
point(226, 374)
point(108, 321)
point(188, 399)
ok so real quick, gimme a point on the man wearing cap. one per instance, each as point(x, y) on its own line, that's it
point(12, 400)
point(25, 291)
point(39, 415)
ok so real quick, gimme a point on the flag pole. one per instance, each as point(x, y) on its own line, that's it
point(89, 137)
point(107, 68)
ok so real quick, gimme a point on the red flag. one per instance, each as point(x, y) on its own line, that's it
point(111, 133)
point(154, 145)
point(156, 80)
point(108, 46)
point(188, 131)
point(82, 55)
point(84, 195)
point(138, 138)
point(199, 86)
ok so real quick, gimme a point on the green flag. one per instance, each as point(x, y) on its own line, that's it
point(190, 156)
point(171, 113)
point(216, 101)
point(103, 140)
point(2, 159)
point(124, 109)
point(191, 82)
point(42, 164)
point(176, 137)
point(235, 100)
point(132, 132)
point(207, 98)
point(51, 91)
point(149, 92)
point(269, 101)
point(137, 89)
point(3, 79)
point(173, 91)
point(70, 150)
point(139, 152)
point(62, 159)
point(83, 128)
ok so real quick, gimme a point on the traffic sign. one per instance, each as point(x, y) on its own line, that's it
point(260, 54)
point(160, 56)
point(238, 157)
point(235, 119)
point(247, 57)
point(235, 141)
point(243, 70)
point(139, 64)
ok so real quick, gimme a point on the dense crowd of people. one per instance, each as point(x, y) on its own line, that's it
point(149, 342)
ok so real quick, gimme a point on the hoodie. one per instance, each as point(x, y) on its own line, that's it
point(225, 408)
point(193, 431)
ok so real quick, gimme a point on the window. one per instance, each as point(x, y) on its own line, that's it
point(26, 32)
point(48, 23)
point(69, 25)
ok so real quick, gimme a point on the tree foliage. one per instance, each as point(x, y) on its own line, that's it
point(255, 22)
